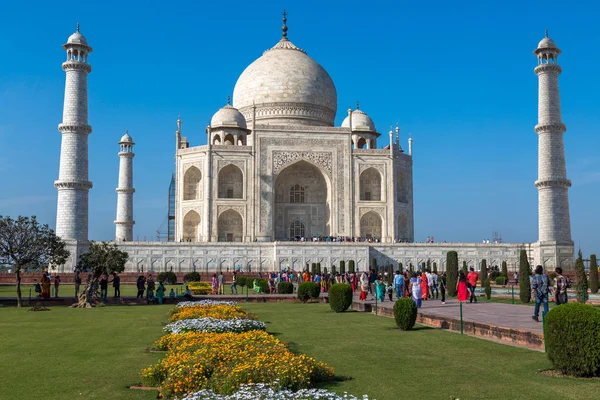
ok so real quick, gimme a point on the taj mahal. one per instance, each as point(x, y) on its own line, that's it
point(278, 185)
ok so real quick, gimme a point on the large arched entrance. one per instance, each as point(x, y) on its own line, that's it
point(230, 226)
point(231, 183)
point(301, 202)
point(191, 226)
point(370, 226)
point(370, 185)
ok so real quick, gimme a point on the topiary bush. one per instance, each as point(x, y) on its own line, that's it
point(504, 269)
point(572, 336)
point(192, 277)
point(308, 290)
point(340, 297)
point(342, 267)
point(483, 273)
point(451, 272)
point(351, 266)
point(285, 288)
point(581, 283)
point(501, 280)
point(264, 285)
point(487, 289)
point(167, 277)
point(593, 274)
point(241, 281)
point(524, 272)
point(405, 313)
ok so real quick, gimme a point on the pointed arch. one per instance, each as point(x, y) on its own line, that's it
point(231, 182)
point(370, 185)
point(191, 184)
point(371, 225)
point(191, 226)
point(229, 139)
point(230, 226)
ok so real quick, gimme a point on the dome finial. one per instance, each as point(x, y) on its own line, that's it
point(546, 32)
point(357, 105)
point(284, 28)
point(228, 100)
point(78, 27)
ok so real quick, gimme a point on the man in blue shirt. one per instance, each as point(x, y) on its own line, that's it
point(398, 284)
point(539, 286)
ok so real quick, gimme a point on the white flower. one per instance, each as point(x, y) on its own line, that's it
point(214, 325)
point(205, 303)
point(263, 391)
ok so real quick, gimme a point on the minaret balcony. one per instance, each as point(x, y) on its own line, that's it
point(73, 65)
point(81, 129)
point(83, 185)
point(546, 68)
point(550, 128)
point(557, 182)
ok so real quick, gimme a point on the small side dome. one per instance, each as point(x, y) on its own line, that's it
point(228, 116)
point(126, 138)
point(360, 122)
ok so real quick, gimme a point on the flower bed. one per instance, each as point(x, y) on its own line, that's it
point(261, 391)
point(200, 288)
point(222, 361)
point(213, 325)
point(205, 303)
point(208, 311)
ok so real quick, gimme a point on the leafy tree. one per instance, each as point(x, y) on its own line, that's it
point(524, 283)
point(593, 274)
point(451, 272)
point(26, 243)
point(504, 269)
point(581, 284)
point(101, 258)
point(351, 266)
point(483, 271)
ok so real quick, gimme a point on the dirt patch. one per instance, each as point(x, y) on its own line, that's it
point(555, 373)
point(38, 308)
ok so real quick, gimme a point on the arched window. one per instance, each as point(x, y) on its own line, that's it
point(231, 182)
point(229, 139)
point(191, 226)
point(362, 143)
point(191, 184)
point(297, 194)
point(230, 226)
point(370, 226)
point(217, 139)
point(370, 185)
point(296, 230)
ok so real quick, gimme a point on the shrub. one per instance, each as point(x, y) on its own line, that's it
point(342, 267)
point(487, 289)
point(405, 313)
point(524, 272)
point(318, 268)
point(264, 285)
point(191, 277)
point(374, 265)
point(483, 273)
point(308, 290)
point(285, 288)
point(242, 281)
point(340, 297)
point(572, 338)
point(501, 280)
point(581, 284)
point(167, 277)
point(494, 275)
point(504, 269)
point(351, 266)
point(593, 274)
point(451, 272)
point(435, 267)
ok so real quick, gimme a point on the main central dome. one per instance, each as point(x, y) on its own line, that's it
point(287, 87)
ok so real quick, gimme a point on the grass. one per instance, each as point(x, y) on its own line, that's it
point(95, 354)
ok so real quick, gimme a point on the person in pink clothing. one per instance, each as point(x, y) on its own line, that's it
point(472, 284)
point(461, 287)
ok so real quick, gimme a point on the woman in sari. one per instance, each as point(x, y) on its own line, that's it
point(461, 287)
point(214, 282)
point(415, 289)
point(380, 289)
point(45, 286)
point(424, 287)
point(364, 286)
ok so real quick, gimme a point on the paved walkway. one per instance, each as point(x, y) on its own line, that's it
point(512, 316)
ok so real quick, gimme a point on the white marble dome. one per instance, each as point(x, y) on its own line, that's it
point(228, 116)
point(126, 138)
point(360, 122)
point(547, 43)
point(287, 87)
point(77, 38)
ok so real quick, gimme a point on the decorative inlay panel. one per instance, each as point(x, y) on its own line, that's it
point(282, 159)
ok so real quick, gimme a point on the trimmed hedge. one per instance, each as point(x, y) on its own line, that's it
point(487, 289)
point(572, 338)
point(191, 277)
point(340, 297)
point(524, 272)
point(501, 280)
point(451, 272)
point(405, 313)
point(242, 281)
point(168, 277)
point(264, 285)
point(285, 288)
point(351, 266)
point(593, 274)
point(308, 290)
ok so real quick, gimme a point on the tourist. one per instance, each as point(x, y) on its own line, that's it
point(306, 276)
point(539, 286)
point(116, 281)
point(372, 279)
point(442, 282)
point(103, 287)
point(56, 285)
point(424, 286)
point(461, 287)
point(257, 288)
point(272, 287)
point(160, 292)
point(37, 287)
point(234, 283)
point(560, 287)
point(472, 284)
point(214, 283)
point(415, 289)
point(221, 288)
point(187, 293)
point(380, 289)
point(77, 281)
point(429, 283)
point(140, 287)
point(364, 285)
point(390, 291)
point(398, 284)
point(406, 292)
point(435, 277)
point(516, 277)
point(150, 289)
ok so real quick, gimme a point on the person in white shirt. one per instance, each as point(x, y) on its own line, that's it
point(429, 284)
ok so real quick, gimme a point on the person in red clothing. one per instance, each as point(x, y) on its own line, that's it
point(424, 286)
point(461, 287)
point(472, 283)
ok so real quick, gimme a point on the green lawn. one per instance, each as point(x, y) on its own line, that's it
point(66, 290)
point(95, 354)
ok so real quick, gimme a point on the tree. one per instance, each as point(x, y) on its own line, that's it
point(342, 267)
point(428, 268)
point(581, 284)
point(505, 269)
point(593, 274)
point(451, 272)
point(26, 243)
point(483, 271)
point(465, 268)
point(102, 258)
point(524, 283)
point(435, 267)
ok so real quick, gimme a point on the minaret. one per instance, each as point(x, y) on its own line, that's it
point(410, 145)
point(73, 184)
point(552, 184)
point(124, 221)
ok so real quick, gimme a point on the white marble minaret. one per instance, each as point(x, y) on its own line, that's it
point(124, 221)
point(556, 246)
point(73, 184)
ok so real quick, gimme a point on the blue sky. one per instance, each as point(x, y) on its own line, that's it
point(458, 76)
